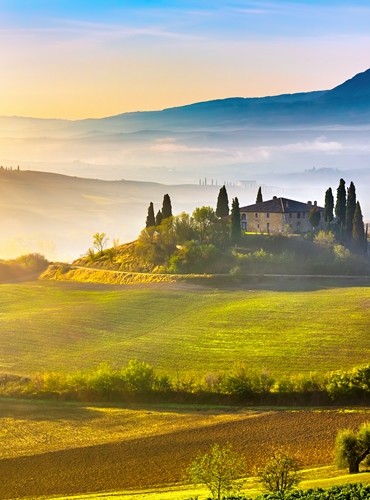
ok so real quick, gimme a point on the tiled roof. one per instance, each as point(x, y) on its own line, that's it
point(279, 205)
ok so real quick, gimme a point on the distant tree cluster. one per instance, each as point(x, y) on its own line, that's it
point(345, 217)
point(166, 212)
point(9, 169)
point(190, 243)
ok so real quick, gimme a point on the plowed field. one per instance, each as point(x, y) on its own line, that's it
point(159, 459)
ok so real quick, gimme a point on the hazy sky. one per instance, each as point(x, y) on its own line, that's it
point(78, 59)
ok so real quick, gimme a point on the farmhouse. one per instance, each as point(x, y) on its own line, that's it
point(279, 215)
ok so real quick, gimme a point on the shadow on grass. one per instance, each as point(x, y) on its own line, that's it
point(281, 283)
point(38, 409)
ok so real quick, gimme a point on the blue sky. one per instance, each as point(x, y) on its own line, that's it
point(95, 58)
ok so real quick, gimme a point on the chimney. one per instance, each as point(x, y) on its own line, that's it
point(274, 198)
point(309, 203)
point(315, 203)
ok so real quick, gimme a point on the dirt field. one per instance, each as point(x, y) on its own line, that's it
point(159, 459)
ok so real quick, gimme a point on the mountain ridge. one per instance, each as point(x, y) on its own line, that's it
point(353, 89)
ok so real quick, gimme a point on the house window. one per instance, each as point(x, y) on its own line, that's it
point(298, 226)
point(268, 216)
point(258, 226)
point(290, 216)
point(244, 216)
point(268, 227)
point(244, 225)
point(303, 215)
point(256, 215)
point(298, 215)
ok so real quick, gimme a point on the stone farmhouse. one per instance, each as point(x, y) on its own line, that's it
point(278, 215)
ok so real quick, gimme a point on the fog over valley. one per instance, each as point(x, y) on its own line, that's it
point(111, 168)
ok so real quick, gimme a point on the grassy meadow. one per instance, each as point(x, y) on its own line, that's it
point(179, 328)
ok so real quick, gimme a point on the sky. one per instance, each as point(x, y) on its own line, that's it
point(88, 59)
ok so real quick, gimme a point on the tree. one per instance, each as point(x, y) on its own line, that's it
point(166, 207)
point(351, 448)
point(329, 207)
point(340, 206)
point(314, 216)
point(259, 198)
point(158, 218)
point(150, 219)
point(218, 469)
point(235, 230)
point(359, 238)
point(350, 210)
point(280, 474)
point(99, 241)
point(222, 209)
point(203, 220)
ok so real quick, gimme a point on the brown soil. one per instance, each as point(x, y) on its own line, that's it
point(162, 460)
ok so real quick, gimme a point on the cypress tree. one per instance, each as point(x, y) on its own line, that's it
point(340, 206)
point(150, 219)
point(350, 209)
point(166, 207)
point(314, 216)
point(358, 230)
point(329, 207)
point(235, 230)
point(259, 198)
point(222, 209)
point(158, 218)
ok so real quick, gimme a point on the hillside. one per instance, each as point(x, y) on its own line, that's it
point(183, 329)
point(56, 215)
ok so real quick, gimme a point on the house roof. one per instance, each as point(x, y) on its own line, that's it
point(279, 205)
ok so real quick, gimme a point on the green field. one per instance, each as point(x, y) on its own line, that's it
point(58, 326)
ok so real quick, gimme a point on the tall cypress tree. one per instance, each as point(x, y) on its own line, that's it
point(329, 207)
point(350, 209)
point(158, 218)
point(235, 230)
point(222, 209)
point(166, 207)
point(150, 219)
point(340, 206)
point(358, 230)
point(259, 198)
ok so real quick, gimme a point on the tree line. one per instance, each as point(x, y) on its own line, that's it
point(345, 219)
point(138, 381)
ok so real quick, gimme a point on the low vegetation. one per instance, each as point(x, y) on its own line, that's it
point(138, 382)
point(23, 268)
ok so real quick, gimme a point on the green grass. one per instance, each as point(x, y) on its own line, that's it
point(67, 326)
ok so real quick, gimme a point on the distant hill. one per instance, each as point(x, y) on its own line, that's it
point(57, 215)
point(348, 103)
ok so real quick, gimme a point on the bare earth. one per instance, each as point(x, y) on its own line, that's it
point(155, 448)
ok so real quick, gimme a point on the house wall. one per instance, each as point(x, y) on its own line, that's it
point(261, 222)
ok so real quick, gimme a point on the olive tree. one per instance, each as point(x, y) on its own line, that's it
point(351, 448)
point(219, 468)
point(280, 474)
